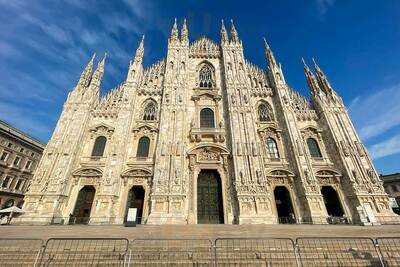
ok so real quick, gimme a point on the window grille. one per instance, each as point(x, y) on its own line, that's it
point(99, 146)
point(313, 147)
point(143, 147)
point(265, 112)
point(150, 112)
point(272, 148)
point(206, 77)
point(207, 118)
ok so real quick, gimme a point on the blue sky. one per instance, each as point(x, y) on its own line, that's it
point(45, 44)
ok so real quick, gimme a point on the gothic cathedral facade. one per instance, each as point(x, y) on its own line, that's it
point(204, 136)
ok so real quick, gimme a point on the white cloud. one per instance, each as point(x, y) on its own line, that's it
point(324, 5)
point(376, 113)
point(386, 148)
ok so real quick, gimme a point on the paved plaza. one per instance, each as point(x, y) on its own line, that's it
point(199, 231)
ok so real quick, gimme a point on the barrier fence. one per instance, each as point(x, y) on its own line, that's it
point(171, 252)
point(305, 251)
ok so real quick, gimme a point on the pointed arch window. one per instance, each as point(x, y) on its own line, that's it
point(272, 148)
point(207, 118)
point(99, 146)
point(150, 112)
point(265, 112)
point(206, 76)
point(143, 147)
point(313, 147)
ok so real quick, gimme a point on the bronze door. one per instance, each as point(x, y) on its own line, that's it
point(83, 205)
point(209, 198)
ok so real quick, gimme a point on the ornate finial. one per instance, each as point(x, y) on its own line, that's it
point(174, 31)
point(184, 32)
point(234, 34)
point(322, 79)
point(87, 72)
point(140, 50)
point(305, 64)
point(224, 34)
point(266, 45)
point(316, 65)
point(269, 55)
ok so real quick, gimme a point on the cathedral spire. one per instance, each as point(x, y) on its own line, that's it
point(224, 34)
point(322, 79)
point(140, 51)
point(269, 54)
point(184, 33)
point(98, 75)
point(234, 34)
point(174, 32)
point(85, 77)
point(312, 83)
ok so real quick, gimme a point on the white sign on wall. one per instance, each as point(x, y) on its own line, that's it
point(131, 217)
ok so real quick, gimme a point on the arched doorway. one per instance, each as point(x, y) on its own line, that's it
point(136, 200)
point(83, 206)
point(332, 201)
point(209, 198)
point(284, 205)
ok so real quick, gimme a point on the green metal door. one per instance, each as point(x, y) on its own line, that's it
point(209, 198)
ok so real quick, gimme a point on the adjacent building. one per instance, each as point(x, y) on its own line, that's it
point(19, 157)
point(391, 183)
point(205, 136)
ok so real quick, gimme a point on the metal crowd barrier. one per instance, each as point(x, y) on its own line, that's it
point(307, 251)
point(255, 252)
point(84, 252)
point(171, 252)
point(339, 251)
point(19, 251)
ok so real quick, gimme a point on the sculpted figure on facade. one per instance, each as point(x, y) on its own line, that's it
point(204, 136)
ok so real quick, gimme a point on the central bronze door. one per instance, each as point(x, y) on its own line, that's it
point(209, 198)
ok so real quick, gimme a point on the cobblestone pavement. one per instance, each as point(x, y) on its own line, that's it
point(199, 231)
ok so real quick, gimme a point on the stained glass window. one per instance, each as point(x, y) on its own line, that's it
point(99, 146)
point(272, 148)
point(150, 112)
point(207, 118)
point(206, 77)
point(265, 112)
point(313, 147)
point(143, 147)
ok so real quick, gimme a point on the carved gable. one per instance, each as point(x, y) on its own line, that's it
point(203, 48)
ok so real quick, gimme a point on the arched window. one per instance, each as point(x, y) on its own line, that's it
point(272, 148)
point(99, 146)
point(207, 118)
point(265, 112)
point(150, 112)
point(206, 76)
point(143, 147)
point(313, 147)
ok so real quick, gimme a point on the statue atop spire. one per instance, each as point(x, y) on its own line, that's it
point(269, 54)
point(174, 32)
point(140, 51)
point(234, 34)
point(224, 34)
point(86, 75)
point(184, 33)
point(98, 74)
point(322, 79)
point(312, 83)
